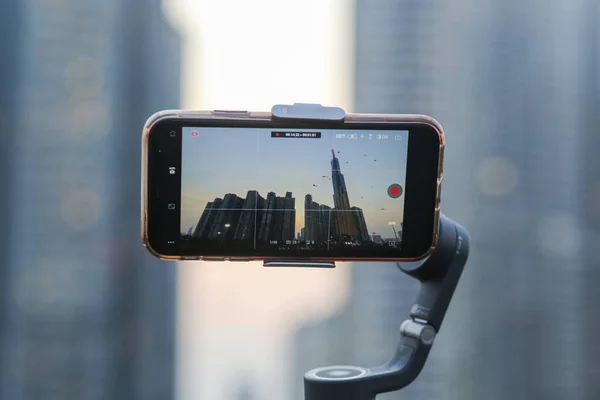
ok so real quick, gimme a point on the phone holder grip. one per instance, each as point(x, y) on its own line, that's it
point(299, 264)
point(308, 111)
point(439, 275)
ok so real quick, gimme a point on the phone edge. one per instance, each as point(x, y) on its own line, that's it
point(150, 122)
point(350, 118)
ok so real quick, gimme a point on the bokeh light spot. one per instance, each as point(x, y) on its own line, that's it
point(85, 118)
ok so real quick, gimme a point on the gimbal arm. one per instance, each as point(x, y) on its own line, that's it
point(439, 275)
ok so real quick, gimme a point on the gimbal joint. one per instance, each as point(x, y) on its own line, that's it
point(424, 333)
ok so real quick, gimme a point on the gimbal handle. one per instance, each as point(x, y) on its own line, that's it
point(439, 274)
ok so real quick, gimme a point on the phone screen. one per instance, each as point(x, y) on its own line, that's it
point(274, 191)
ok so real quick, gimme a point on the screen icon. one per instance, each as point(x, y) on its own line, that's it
point(340, 135)
point(398, 137)
point(171, 206)
point(353, 136)
point(195, 133)
point(394, 191)
point(384, 136)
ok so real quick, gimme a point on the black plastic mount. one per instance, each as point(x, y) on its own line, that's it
point(439, 275)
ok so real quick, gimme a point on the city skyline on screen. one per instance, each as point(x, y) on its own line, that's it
point(250, 165)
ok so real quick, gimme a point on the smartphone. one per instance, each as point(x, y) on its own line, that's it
point(244, 186)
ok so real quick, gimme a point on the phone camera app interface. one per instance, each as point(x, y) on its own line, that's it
point(313, 192)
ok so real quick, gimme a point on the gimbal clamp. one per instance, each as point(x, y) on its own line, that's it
point(439, 274)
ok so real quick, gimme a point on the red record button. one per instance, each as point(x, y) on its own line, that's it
point(394, 191)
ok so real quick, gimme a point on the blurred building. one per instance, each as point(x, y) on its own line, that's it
point(516, 88)
point(530, 76)
point(85, 312)
point(517, 92)
point(11, 16)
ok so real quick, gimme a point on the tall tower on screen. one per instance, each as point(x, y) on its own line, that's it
point(344, 217)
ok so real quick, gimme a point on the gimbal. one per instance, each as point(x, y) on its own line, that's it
point(439, 274)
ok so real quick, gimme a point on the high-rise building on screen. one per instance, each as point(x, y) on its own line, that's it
point(207, 220)
point(345, 222)
point(318, 221)
point(245, 229)
point(359, 220)
point(267, 220)
point(288, 217)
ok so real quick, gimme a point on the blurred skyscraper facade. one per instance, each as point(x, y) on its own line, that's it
point(516, 87)
point(85, 312)
point(522, 96)
point(393, 74)
point(10, 15)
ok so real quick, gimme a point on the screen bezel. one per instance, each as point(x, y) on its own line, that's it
point(164, 151)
